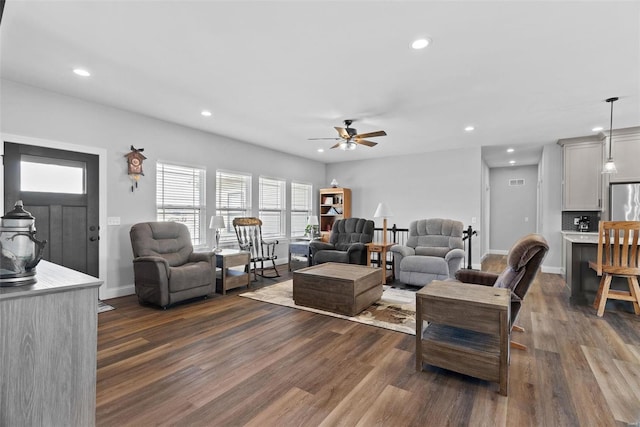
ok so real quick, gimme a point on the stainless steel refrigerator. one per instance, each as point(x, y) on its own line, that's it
point(624, 199)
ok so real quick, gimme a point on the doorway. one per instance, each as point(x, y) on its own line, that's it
point(60, 188)
point(513, 205)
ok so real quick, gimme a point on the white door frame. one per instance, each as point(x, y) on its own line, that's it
point(102, 185)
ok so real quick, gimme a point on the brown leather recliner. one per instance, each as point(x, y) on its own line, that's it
point(165, 267)
point(523, 261)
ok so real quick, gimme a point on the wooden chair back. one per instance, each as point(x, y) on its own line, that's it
point(249, 233)
point(618, 253)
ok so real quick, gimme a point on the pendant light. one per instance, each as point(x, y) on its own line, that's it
point(610, 166)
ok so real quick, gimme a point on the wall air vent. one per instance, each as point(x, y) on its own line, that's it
point(516, 182)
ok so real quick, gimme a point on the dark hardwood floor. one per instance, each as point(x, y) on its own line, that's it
point(232, 361)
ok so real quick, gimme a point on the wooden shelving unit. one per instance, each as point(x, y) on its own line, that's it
point(335, 203)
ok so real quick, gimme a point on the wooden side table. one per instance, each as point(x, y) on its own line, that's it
point(382, 249)
point(468, 330)
point(300, 247)
point(228, 278)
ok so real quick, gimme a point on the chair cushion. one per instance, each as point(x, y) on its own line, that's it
point(508, 279)
point(169, 240)
point(432, 251)
point(189, 276)
point(331, 256)
point(425, 264)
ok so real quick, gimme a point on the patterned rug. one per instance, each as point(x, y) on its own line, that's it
point(396, 310)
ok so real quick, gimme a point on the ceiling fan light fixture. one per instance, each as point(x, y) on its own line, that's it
point(351, 145)
point(343, 145)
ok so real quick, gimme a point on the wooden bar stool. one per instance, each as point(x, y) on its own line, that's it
point(618, 255)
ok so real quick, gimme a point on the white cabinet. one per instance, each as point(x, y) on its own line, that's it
point(582, 175)
point(626, 154)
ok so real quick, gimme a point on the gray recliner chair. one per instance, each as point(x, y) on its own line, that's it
point(165, 267)
point(346, 242)
point(433, 251)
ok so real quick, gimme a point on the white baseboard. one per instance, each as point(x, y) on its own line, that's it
point(553, 270)
point(121, 291)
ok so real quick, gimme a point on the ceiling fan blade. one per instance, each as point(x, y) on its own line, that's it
point(365, 142)
point(316, 139)
point(371, 134)
point(336, 146)
point(342, 132)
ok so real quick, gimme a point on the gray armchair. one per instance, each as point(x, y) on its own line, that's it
point(165, 267)
point(433, 252)
point(346, 242)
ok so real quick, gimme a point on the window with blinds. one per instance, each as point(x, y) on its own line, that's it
point(272, 208)
point(301, 206)
point(180, 197)
point(233, 199)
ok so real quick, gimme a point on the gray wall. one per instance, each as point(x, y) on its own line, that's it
point(35, 113)
point(513, 208)
point(442, 184)
point(551, 205)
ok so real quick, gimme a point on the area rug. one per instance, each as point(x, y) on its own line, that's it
point(396, 310)
point(103, 306)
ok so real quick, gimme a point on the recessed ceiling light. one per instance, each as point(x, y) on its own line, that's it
point(81, 72)
point(320, 150)
point(469, 129)
point(510, 150)
point(206, 113)
point(512, 162)
point(420, 43)
point(597, 129)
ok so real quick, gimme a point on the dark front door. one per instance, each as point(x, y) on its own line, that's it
point(60, 189)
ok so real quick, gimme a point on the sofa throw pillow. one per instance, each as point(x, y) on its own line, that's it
point(508, 279)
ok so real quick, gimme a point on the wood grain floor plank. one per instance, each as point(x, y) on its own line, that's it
point(233, 361)
point(621, 399)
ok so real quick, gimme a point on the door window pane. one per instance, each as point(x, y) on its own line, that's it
point(48, 175)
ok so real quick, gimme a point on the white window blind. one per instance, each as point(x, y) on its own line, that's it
point(180, 198)
point(233, 199)
point(272, 209)
point(301, 205)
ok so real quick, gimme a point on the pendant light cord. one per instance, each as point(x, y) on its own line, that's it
point(611, 100)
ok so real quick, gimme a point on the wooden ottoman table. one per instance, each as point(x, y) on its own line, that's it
point(340, 288)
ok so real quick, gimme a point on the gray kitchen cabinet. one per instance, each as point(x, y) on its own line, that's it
point(626, 152)
point(583, 159)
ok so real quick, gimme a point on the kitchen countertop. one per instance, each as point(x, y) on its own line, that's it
point(580, 236)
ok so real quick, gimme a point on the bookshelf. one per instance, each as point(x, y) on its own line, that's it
point(335, 203)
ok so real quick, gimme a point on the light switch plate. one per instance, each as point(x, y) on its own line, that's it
point(113, 220)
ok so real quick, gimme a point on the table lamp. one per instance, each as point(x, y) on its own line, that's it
point(383, 212)
point(313, 222)
point(217, 223)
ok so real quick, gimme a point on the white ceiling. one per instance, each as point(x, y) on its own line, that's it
point(275, 73)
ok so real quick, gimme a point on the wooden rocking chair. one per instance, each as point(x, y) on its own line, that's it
point(249, 234)
point(618, 255)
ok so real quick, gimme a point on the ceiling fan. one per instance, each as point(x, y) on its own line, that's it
point(349, 137)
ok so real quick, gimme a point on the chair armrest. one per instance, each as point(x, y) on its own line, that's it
point(403, 250)
point(454, 254)
point(476, 277)
point(201, 256)
point(150, 268)
point(320, 246)
point(356, 247)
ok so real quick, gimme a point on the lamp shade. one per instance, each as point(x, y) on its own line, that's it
point(313, 220)
point(217, 222)
point(383, 211)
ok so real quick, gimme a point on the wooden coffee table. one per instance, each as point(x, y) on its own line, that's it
point(339, 288)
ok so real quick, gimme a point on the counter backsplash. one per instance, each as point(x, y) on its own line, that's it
point(568, 216)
